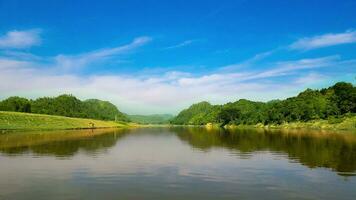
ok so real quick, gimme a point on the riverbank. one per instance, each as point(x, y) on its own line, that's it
point(344, 123)
point(27, 121)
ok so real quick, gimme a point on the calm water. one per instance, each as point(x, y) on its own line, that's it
point(177, 163)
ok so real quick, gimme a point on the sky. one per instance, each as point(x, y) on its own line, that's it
point(151, 57)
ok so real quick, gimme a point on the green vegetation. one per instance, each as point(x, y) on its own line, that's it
point(151, 119)
point(330, 107)
point(65, 105)
point(27, 121)
point(197, 114)
point(341, 123)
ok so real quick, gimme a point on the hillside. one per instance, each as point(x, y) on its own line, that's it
point(27, 121)
point(329, 104)
point(64, 105)
point(197, 114)
point(151, 119)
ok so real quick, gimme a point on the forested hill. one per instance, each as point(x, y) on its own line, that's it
point(64, 105)
point(333, 102)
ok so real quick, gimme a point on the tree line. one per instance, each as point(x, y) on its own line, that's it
point(328, 103)
point(64, 105)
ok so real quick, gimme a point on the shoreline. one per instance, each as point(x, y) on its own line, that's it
point(345, 124)
point(17, 121)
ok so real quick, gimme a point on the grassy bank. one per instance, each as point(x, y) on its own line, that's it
point(26, 121)
point(344, 123)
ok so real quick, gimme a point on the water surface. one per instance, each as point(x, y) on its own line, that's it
point(177, 163)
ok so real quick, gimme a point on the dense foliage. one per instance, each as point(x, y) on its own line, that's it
point(64, 105)
point(328, 103)
point(16, 104)
point(200, 113)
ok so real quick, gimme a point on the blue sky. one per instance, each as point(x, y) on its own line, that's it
point(161, 56)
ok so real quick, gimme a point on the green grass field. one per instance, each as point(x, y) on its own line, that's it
point(26, 121)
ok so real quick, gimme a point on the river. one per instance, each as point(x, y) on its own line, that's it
point(177, 163)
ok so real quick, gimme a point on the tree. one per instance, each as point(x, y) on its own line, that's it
point(345, 97)
point(16, 104)
point(308, 105)
point(227, 115)
point(65, 105)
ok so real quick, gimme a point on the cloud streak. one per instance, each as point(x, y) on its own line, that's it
point(249, 62)
point(20, 39)
point(326, 40)
point(32, 76)
point(81, 60)
point(168, 92)
point(182, 44)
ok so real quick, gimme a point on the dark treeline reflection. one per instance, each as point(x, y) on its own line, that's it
point(336, 151)
point(59, 143)
point(311, 148)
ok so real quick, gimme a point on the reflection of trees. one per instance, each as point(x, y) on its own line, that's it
point(313, 149)
point(59, 143)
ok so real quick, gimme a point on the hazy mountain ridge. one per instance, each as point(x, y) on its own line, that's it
point(151, 119)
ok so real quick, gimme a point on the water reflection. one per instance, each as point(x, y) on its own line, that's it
point(59, 143)
point(311, 148)
point(177, 163)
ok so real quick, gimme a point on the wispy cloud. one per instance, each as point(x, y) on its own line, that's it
point(310, 78)
point(330, 39)
point(168, 92)
point(248, 62)
point(77, 61)
point(19, 55)
point(182, 44)
point(11, 64)
point(279, 69)
point(286, 67)
point(20, 39)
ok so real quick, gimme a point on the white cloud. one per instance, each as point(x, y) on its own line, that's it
point(10, 64)
point(81, 60)
point(325, 40)
point(182, 44)
point(169, 92)
point(32, 76)
point(310, 78)
point(287, 67)
point(20, 55)
point(20, 39)
point(248, 62)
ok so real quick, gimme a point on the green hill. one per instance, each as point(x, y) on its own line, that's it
point(27, 121)
point(332, 104)
point(64, 105)
point(197, 114)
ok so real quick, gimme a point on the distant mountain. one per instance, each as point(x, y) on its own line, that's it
point(151, 119)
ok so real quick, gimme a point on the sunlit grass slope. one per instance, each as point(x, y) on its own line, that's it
point(26, 121)
point(343, 123)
